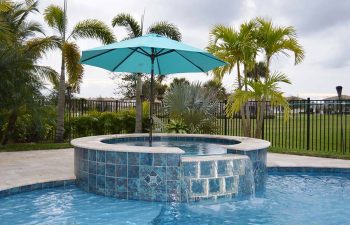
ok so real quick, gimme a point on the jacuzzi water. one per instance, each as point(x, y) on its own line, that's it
point(190, 147)
point(288, 199)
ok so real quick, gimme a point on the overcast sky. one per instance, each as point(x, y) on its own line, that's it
point(323, 28)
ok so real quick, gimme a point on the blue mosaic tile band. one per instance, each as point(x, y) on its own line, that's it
point(258, 159)
point(175, 138)
point(215, 179)
point(37, 186)
point(129, 175)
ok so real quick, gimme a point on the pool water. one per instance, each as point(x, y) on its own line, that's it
point(190, 147)
point(288, 199)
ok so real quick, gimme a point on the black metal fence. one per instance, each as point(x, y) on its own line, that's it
point(319, 125)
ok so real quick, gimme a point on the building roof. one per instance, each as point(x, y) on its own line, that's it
point(294, 98)
point(343, 97)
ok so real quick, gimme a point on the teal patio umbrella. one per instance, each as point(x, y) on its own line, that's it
point(151, 54)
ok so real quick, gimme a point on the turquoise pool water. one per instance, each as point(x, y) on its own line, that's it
point(289, 199)
point(190, 147)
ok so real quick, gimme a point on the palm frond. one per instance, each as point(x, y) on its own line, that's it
point(5, 5)
point(95, 29)
point(54, 17)
point(75, 70)
point(127, 21)
point(39, 46)
point(47, 73)
point(164, 28)
point(277, 39)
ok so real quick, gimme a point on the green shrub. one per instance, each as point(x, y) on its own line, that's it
point(177, 126)
point(98, 123)
point(34, 126)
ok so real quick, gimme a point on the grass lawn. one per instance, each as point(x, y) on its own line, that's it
point(33, 146)
point(325, 132)
point(323, 154)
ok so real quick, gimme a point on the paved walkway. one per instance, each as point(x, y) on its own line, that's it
point(23, 168)
point(30, 167)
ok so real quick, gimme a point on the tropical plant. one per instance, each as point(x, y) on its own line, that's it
point(274, 40)
point(20, 50)
point(237, 48)
point(262, 92)
point(177, 126)
point(135, 29)
point(259, 71)
point(56, 18)
point(217, 87)
point(242, 47)
point(179, 81)
point(194, 105)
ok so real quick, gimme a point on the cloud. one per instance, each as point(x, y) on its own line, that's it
point(322, 26)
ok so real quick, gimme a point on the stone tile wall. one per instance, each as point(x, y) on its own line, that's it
point(129, 175)
point(215, 179)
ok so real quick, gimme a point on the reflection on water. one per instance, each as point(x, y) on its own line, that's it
point(190, 147)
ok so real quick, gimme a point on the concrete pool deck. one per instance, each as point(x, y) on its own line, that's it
point(30, 167)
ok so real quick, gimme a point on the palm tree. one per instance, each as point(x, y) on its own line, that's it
point(258, 71)
point(274, 40)
point(20, 50)
point(237, 48)
point(56, 18)
point(261, 91)
point(135, 29)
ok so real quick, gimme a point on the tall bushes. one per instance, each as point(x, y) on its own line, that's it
point(98, 123)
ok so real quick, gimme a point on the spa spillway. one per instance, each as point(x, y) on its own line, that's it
point(178, 167)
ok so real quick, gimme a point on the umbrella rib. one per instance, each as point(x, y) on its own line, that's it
point(160, 51)
point(158, 66)
point(167, 52)
point(212, 57)
point(190, 61)
point(98, 54)
point(143, 52)
point(125, 59)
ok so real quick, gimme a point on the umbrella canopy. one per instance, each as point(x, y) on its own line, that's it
point(134, 56)
point(152, 54)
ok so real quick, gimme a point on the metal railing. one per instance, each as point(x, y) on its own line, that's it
point(322, 125)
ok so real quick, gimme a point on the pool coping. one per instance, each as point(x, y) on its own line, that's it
point(95, 143)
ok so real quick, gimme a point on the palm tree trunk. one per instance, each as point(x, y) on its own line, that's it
point(138, 125)
point(260, 118)
point(239, 76)
point(268, 66)
point(10, 126)
point(245, 126)
point(61, 104)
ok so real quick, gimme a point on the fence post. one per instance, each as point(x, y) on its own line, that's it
point(225, 118)
point(116, 105)
point(308, 124)
point(82, 106)
point(263, 123)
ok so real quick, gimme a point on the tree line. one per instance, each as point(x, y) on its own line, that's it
point(23, 43)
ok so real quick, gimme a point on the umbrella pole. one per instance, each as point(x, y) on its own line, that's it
point(151, 101)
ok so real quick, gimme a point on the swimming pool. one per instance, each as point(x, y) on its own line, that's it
point(177, 167)
point(289, 198)
point(190, 148)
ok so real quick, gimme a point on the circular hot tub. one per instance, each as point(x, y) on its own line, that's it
point(178, 167)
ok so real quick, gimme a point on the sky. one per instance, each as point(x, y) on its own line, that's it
point(323, 28)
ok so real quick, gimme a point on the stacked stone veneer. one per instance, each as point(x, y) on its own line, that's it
point(212, 177)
